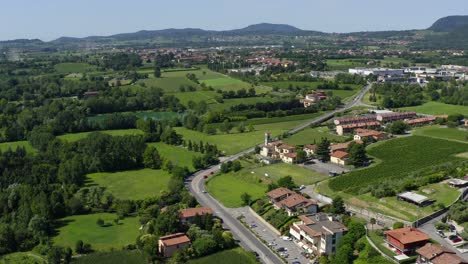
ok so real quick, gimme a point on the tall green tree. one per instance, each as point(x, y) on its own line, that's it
point(323, 150)
point(151, 158)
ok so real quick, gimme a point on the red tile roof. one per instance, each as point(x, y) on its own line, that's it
point(191, 212)
point(174, 239)
point(278, 192)
point(290, 155)
point(312, 147)
point(340, 154)
point(407, 235)
point(294, 200)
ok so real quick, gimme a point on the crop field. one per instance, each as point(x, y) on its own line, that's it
point(132, 185)
point(436, 108)
point(170, 82)
point(84, 227)
point(73, 67)
point(399, 157)
point(13, 145)
point(443, 132)
point(253, 178)
point(230, 256)
point(119, 132)
point(198, 96)
point(236, 142)
point(177, 155)
point(120, 256)
point(312, 135)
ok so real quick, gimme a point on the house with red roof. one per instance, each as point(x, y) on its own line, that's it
point(339, 157)
point(436, 254)
point(406, 240)
point(295, 204)
point(170, 244)
point(278, 194)
point(187, 215)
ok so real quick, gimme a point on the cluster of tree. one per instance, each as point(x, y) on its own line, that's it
point(323, 150)
point(164, 60)
point(122, 61)
point(449, 93)
point(188, 88)
point(348, 244)
point(357, 154)
point(286, 182)
point(459, 212)
point(192, 77)
point(156, 131)
point(398, 127)
point(231, 166)
point(345, 78)
point(241, 93)
point(201, 147)
point(397, 95)
point(208, 159)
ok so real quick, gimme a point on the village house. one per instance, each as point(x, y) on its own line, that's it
point(170, 244)
point(278, 194)
point(343, 129)
point(310, 150)
point(295, 204)
point(368, 134)
point(420, 121)
point(187, 215)
point(318, 233)
point(343, 146)
point(339, 157)
point(354, 120)
point(395, 116)
point(313, 98)
point(435, 254)
point(278, 150)
point(406, 240)
point(289, 158)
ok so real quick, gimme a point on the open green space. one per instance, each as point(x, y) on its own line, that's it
point(399, 157)
point(97, 119)
point(345, 64)
point(227, 103)
point(132, 185)
point(13, 145)
point(198, 96)
point(71, 67)
point(23, 258)
point(436, 108)
point(230, 256)
point(177, 155)
point(118, 132)
point(253, 178)
point(113, 257)
point(107, 237)
point(312, 136)
point(236, 142)
point(443, 132)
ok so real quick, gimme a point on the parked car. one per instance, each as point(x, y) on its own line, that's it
point(284, 255)
point(281, 249)
point(302, 187)
point(286, 238)
point(296, 262)
point(271, 244)
point(253, 225)
point(205, 177)
point(441, 233)
point(455, 238)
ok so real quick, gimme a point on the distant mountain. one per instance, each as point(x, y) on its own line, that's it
point(450, 24)
point(263, 28)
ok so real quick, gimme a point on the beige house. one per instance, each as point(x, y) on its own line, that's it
point(339, 157)
point(310, 150)
point(289, 158)
point(295, 204)
point(170, 244)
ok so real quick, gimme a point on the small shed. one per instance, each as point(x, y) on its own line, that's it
point(457, 183)
point(414, 198)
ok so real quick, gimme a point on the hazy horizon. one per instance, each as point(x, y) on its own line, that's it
point(50, 19)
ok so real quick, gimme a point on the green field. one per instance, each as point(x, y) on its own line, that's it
point(13, 145)
point(236, 142)
point(84, 227)
point(23, 258)
point(119, 132)
point(253, 179)
point(73, 67)
point(344, 64)
point(227, 103)
point(311, 136)
point(198, 96)
point(132, 185)
point(178, 155)
point(443, 132)
point(399, 157)
point(230, 256)
point(143, 115)
point(114, 257)
point(436, 108)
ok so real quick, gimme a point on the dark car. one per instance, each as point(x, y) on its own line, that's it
point(281, 249)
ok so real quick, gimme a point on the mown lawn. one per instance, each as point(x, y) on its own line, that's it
point(13, 145)
point(71, 67)
point(399, 157)
point(177, 155)
point(312, 135)
point(120, 256)
point(119, 132)
point(436, 108)
point(132, 185)
point(23, 258)
point(230, 256)
point(85, 228)
point(443, 132)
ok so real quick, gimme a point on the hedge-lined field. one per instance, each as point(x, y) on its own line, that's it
point(399, 157)
point(231, 256)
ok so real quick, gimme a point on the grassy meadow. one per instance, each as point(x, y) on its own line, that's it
point(230, 256)
point(120, 256)
point(118, 132)
point(72, 67)
point(436, 108)
point(177, 155)
point(13, 145)
point(85, 228)
point(132, 185)
point(311, 135)
point(443, 133)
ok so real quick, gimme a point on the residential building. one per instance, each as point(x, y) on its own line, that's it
point(369, 134)
point(169, 244)
point(343, 129)
point(395, 116)
point(277, 150)
point(376, 71)
point(310, 149)
point(436, 254)
point(354, 120)
point(406, 240)
point(278, 194)
point(289, 158)
point(187, 215)
point(343, 146)
point(420, 121)
point(339, 157)
point(313, 98)
point(318, 233)
point(295, 204)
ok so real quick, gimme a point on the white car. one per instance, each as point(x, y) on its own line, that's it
point(286, 238)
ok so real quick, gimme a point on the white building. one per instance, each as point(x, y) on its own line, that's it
point(376, 71)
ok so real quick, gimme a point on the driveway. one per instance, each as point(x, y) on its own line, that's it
point(324, 168)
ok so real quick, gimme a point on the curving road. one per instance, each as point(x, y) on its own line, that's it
point(196, 185)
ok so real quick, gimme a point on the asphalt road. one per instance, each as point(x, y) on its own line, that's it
point(196, 185)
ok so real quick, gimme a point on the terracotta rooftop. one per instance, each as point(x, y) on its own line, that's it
point(290, 155)
point(431, 251)
point(278, 192)
point(294, 200)
point(355, 119)
point(362, 124)
point(407, 235)
point(339, 146)
point(191, 212)
point(420, 120)
point(285, 146)
point(368, 132)
point(448, 258)
point(308, 146)
point(174, 239)
point(339, 154)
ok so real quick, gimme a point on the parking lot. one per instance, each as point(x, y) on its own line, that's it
point(324, 168)
point(291, 252)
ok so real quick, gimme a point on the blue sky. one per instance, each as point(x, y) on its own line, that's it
point(50, 19)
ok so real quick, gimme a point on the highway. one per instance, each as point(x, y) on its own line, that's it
point(196, 185)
